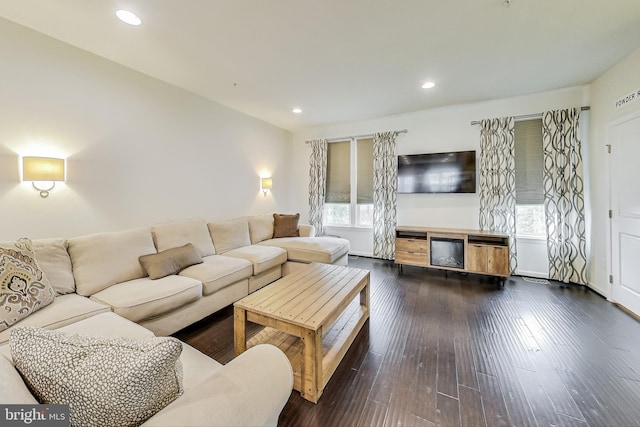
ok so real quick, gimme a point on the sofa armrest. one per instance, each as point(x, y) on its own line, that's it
point(307, 230)
point(251, 390)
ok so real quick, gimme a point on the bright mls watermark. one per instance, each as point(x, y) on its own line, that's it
point(34, 415)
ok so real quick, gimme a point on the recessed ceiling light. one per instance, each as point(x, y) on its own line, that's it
point(296, 110)
point(128, 17)
point(428, 85)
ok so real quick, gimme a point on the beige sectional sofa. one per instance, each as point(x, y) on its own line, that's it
point(101, 272)
point(102, 288)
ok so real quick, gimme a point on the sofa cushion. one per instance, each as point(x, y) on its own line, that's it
point(228, 235)
point(194, 363)
point(285, 225)
point(250, 390)
point(170, 261)
point(307, 230)
point(104, 259)
point(105, 381)
point(13, 391)
point(54, 260)
point(218, 271)
point(262, 257)
point(141, 299)
point(24, 289)
point(311, 249)
point(64, 309)
point(173, 234)
point(108, 324)
point(260, 228)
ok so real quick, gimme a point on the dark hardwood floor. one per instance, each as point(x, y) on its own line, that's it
point(465, 351)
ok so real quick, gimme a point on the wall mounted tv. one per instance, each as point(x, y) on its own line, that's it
point(453, 172)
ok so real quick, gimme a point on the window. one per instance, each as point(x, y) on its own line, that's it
point(349, 166)
point(530, 220)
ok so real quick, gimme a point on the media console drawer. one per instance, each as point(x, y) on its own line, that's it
point(411, 245)
point(412, 251)
point(412, 258)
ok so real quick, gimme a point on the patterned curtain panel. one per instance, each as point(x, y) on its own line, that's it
point(498, 181)
point(317, 182)
point(385, 194)
point(563, 196)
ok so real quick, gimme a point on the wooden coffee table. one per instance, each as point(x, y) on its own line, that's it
point(313, 316)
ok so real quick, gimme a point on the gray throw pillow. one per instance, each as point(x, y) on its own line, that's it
point(105, 381)
point(170, 261)
point(24, 288)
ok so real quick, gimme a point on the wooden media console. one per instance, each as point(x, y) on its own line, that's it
point(471, 251)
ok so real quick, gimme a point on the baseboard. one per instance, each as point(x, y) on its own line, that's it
point(626, 310)
point(364, 254)
point(537, 274)
point(602, 292)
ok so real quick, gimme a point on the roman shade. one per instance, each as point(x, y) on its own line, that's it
point(338, 172)
point(529, 163)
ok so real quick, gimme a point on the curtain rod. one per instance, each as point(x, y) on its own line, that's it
point(368, 135)
point(530, 116)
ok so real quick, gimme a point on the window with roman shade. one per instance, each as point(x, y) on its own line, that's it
point(349, 190)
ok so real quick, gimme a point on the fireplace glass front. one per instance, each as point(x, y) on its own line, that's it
point(447, 252)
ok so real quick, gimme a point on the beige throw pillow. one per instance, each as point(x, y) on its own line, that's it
point(260, 228)
point(170, 261)
point(102, 260)
point(105, 381)
point(24, 289)
point(229, 235)
point(53, 258)
point(176, 233)
point(285, 225)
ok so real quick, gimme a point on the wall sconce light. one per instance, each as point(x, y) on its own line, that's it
point(42, 170)
point(265, 185)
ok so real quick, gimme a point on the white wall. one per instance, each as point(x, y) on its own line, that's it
point(620, 80)
point(138, 151)
point(435, 130)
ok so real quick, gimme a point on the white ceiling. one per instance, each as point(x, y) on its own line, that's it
point(344, 60)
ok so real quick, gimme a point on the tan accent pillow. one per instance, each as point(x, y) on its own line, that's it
point(24, 289)
point(228, 235)
point(105, 381)
point(170, 261)
point(285, 225)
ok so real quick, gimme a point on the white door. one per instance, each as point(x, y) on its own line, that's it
point(624, 138)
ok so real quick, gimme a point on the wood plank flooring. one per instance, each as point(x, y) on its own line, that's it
point(454, 350)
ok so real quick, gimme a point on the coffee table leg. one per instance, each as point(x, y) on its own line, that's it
point(239, 328)
point(364, 297)
point(311, 377)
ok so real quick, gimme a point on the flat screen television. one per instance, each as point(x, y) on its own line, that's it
point(453, 172)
